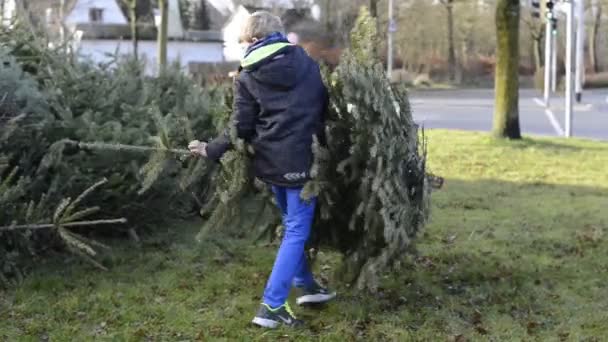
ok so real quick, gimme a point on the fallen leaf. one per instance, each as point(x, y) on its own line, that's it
point(476, 317)
point(457, 338)
point(449, 239)
point(531, 327)
point(481, 330)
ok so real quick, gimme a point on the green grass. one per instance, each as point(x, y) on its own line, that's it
point(516, 250)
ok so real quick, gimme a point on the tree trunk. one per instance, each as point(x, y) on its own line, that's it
point(202, 16)
point(162, 34)
point(593, 38)
point(328, 22)
point(537, 42)
point(373, 8)
point(22, 11)
point(373, 11)
point(134, 31)
point(451, 48)
point(506, 102)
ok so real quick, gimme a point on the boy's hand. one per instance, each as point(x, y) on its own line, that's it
point(198, 148)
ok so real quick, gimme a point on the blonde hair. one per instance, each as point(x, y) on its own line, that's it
point(259, 25)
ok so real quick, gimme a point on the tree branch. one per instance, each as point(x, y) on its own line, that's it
point(71, 224)
point(123, 147)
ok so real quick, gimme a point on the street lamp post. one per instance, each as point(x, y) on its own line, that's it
point(569, 65)
point(580, 45)
point(391, 29)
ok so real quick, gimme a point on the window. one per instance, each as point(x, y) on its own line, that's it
point(96, 15)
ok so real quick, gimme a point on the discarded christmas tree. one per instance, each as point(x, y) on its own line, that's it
point(371, 180)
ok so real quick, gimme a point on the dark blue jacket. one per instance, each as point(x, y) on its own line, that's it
point(279, 104)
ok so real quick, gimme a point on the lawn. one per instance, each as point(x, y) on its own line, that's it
point(517, 249)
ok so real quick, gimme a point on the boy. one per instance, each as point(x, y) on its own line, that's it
point(279, 104)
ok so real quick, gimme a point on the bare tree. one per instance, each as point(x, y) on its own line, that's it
point(200, 15)
point(163, 34)
point(339, 17)
point(133, 21)
point(373, 8)
point(449, 7)
point(594, 36)
point(537, 32)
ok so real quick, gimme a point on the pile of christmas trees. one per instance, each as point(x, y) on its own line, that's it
point(65, 125)
point(371, 180)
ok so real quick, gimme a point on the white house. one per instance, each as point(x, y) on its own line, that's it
point(96, 12)
point(183, 51)
point(9, 10)
point(104, 31)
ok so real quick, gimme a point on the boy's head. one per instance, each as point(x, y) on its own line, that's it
point(259, 25)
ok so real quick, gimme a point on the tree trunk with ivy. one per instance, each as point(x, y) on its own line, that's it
point(594, 36)
point(449, 6)
point(506, 105)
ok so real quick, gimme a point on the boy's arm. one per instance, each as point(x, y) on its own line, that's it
point(245, 110)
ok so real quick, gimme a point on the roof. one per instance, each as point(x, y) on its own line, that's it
point(218, 15)
point(224, 7)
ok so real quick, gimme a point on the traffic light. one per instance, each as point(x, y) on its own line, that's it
point(549, 10)
point(554, 26)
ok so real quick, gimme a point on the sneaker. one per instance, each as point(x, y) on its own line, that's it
point(316, 294)
point(272, 318)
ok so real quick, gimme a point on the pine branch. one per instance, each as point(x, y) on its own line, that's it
point(124, 147)
point(60, 208)
point(79, 214)
point(70, 224)
point(76, 202)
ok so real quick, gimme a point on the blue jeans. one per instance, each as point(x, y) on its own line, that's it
point(291, 266)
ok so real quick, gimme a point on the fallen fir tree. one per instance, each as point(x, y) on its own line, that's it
point(371, 181)
point(19, 220)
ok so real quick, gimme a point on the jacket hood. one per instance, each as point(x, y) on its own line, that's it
point(279, 65)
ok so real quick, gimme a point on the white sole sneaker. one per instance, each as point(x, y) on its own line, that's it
point(265, 323)
point(317, 298)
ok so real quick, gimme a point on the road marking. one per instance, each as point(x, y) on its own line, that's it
point(556, 126)
point(583, 107)
point(539, 102)
point(577, 107)
point(549, 113)
point(429, 117)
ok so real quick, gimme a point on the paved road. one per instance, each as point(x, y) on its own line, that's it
point(473, 109)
